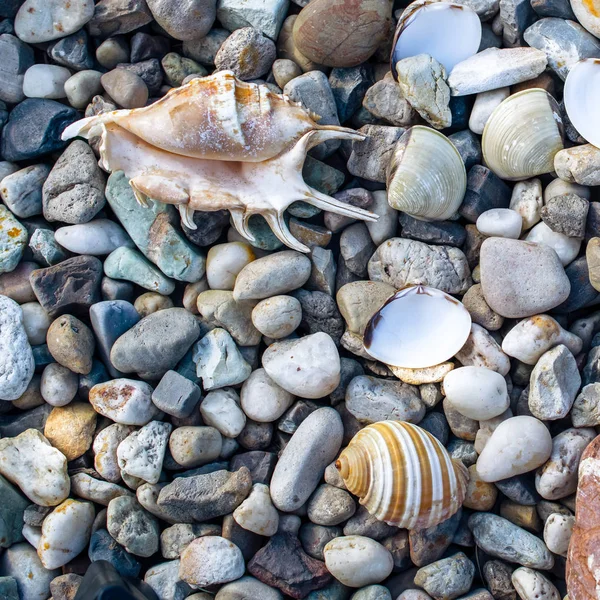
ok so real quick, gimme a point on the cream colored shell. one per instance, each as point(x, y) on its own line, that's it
point(219, 143)
point(426, 175)
point(522, 135)
point(403, 475)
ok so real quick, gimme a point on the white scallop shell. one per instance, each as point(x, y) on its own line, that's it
point(449, 32)
point(522, 135)
point(426, 189)
point(582, 99)
point(417, 327)
point(403, 475)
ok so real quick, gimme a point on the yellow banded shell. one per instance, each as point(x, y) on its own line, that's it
point(403, 475)
point(522, 135)
point(426, 175)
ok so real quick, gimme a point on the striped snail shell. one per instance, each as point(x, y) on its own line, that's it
point(403, 475)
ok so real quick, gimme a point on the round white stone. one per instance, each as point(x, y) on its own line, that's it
point(262, 399)
point(278, 316)
point(257, 513)
point(225, 261)
point(485, 103)
point(477, 392)
point(45, 81)
point(66, 532)
point(516, 446)
point(221, 409)
point(557, 533)
point(500, 222)
point(36, 322)
point(566, 247)
point(532, 585)
point(357, 561)
point(97, 238)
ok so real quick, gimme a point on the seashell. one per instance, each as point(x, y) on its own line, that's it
point(219, 143)
point(449, 32)
point(403, 475)
point(582, 98)
point(417, 327)
point(522, 135)
point(426, 189)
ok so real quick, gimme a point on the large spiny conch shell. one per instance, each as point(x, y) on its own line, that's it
point(449, 32)
point(219, 143)
point(582, 99)
point(418, 327)
point(522, 135)
point(403, 475)
point(426, 175)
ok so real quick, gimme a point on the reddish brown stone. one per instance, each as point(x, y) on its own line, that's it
point(583, 559)
point(283, 564)
point(342, 34)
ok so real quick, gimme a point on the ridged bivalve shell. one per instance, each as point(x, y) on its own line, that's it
point(582, 99)
point(426, 175)
point(403, 475)
point(449, 32)
point(522, 135)
point(417, 327)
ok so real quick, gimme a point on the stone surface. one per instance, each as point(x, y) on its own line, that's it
point(132, 526)
point(17, 57)
point(22, 190)
point(257, 513)
point(189, 20)
point(566, 214)
point(578, 164)
point(267, 17)
point(447, 578)
point(70, 429)
point(370, 157)
point(176, 395)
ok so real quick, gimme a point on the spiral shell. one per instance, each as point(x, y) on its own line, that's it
point(217, 118)
point(522, 135)
point(403, 475)
point(425, 188)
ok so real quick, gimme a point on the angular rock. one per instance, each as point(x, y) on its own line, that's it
point(114, 17)
point(70, 429)
point(132, 526)
point(566, 214)
point(448, 578)
point(190, 20)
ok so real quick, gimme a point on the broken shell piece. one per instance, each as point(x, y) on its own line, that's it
point(403, 475)
point(582, 98)
point(416, 328)
point(522, 135)
point(426, 189)
point(448, 32)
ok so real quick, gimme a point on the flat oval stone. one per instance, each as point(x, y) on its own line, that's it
point(97, 237)
point(45, 81)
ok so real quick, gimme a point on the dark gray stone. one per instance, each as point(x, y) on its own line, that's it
point(15, 58)
point(293, 416)
point(148, 70)
point(104, 547)
point(519, 489)
point(468, 146)
point(428, 545)
point(362, 523)
point(97, 375)
point(176, 395)
point(35, 418)
point(260, 464)
point(566, 213)
point(516, 16)
point(553, 8)
point(582, 293)
point(314, 538)
point(110, 320)
point(145, 46)
point(484, 192)
point(72, 52)
point(349, 87)
point(497, 575)
point(34, 128)
point(113, 289)
point(320, 313)
point(12, 508)
point(460, 107)
point(436, 424)
point(448, 578)
point(210, 226)
point(592, 226)
point(247, 541)
point(448, 233)
point(255, 436)
point(113, 17)
point(350, 369)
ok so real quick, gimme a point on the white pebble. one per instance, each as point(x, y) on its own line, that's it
point(96, 238)
point(500, 222)
point(357, 561)
point(36, 322)
point(32, 534)
point(58, 385)
point(482, 350)
point(221, 410)
point(477, 392)
point(257, 513)
point(532, 585)
point(485, 103)
point(45, 81)
point(557, 533)
point(66, 532)
point(518, 445)
point(278, 316)
point(566, 247)
point(262, 399)
point(225, 261)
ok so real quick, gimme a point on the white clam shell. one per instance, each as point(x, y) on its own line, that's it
point(403, 475)
point(448, 32)
point(416, 328)
point(426, 189)
point(522, 135)
point(582, 99)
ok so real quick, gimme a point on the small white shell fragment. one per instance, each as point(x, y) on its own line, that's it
point(500, 222)
point(517, 446)
point(418, 327)
point(566, 247)
point(357, 561)
point(65, 533)
point(582, 91)
point(448, 32)
point(477, 392)
point(484, 106)
point(533, 336)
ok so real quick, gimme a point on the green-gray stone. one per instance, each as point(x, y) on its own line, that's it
point(177, 68)
point(334, 591)
point(12, 507)
point(129, 264)
point(303, 210)
point(46, 250)
point(328, 180)
point(372, 592)
point(13, 239)
point(153, 231)
point(265, 238)
point(8, 588)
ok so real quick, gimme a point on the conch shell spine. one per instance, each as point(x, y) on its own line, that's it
point(403, 475)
